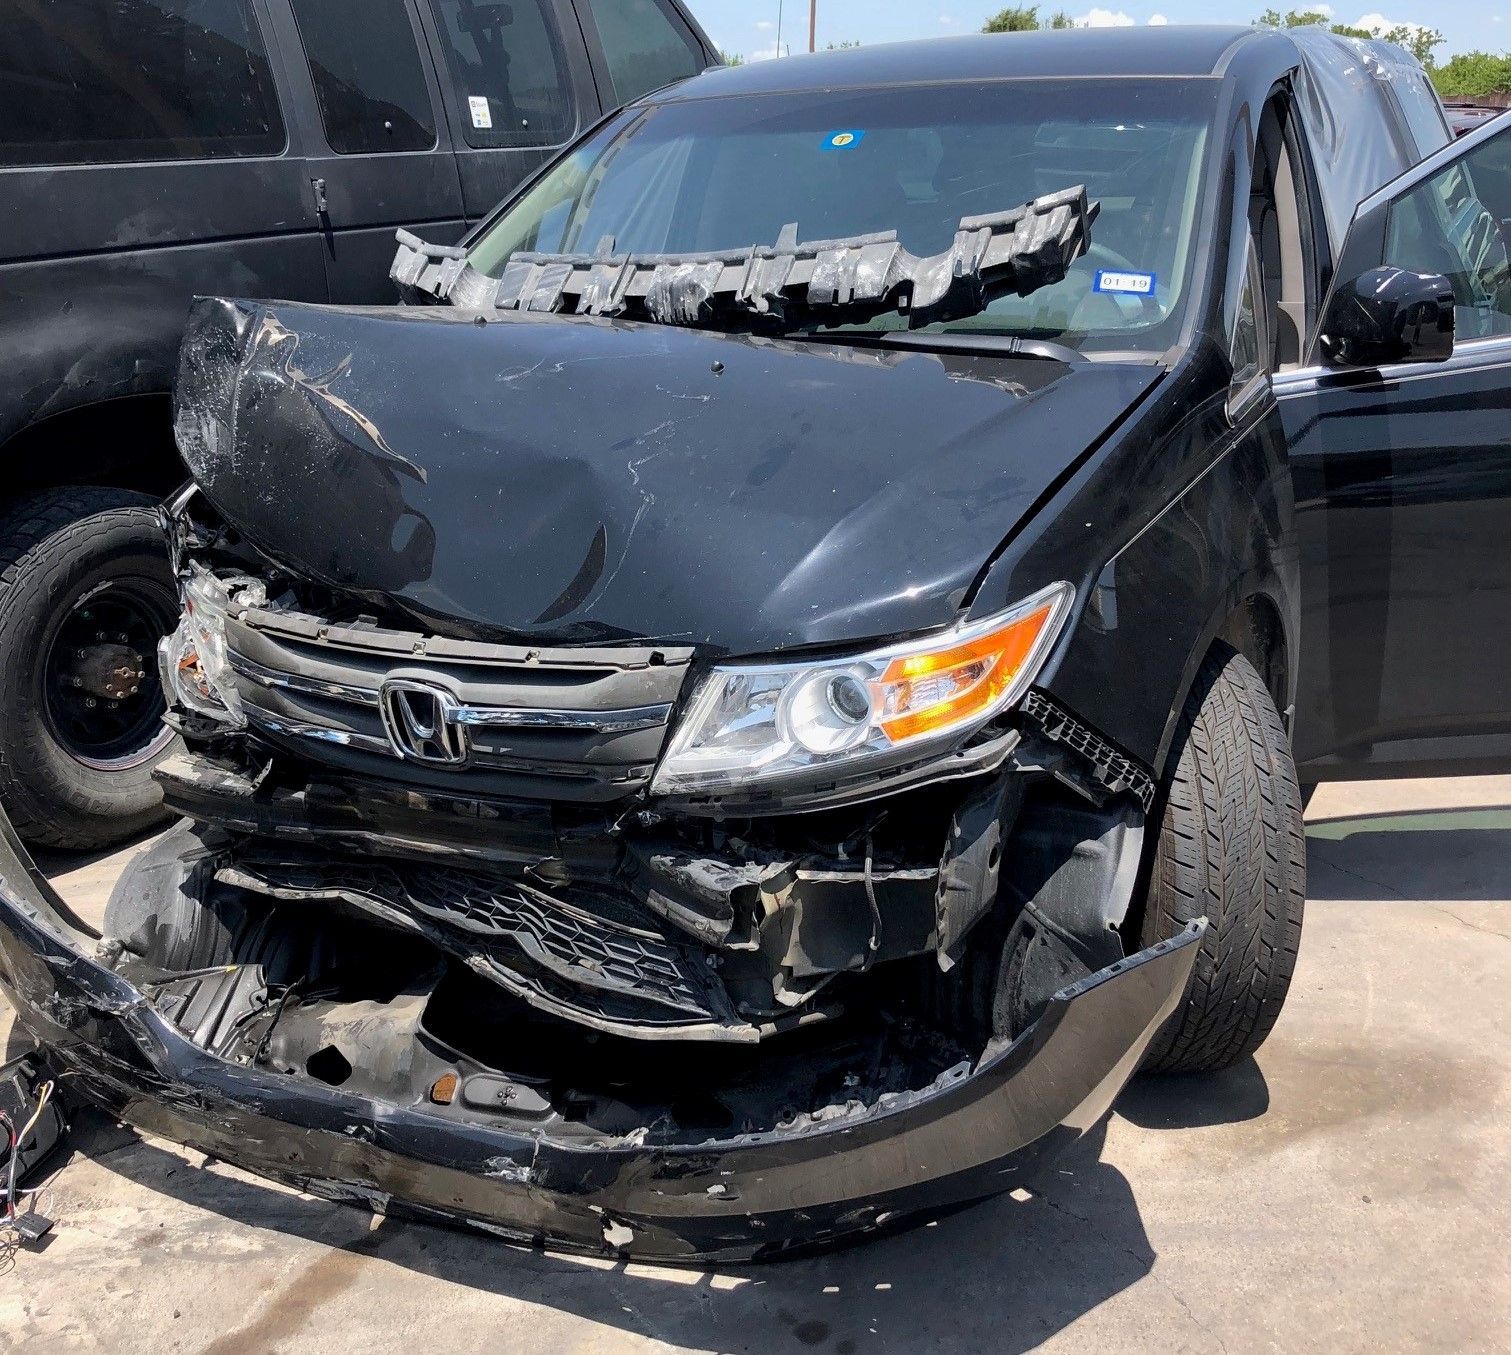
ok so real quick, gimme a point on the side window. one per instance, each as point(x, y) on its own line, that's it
point(365, 63)
point(1249, 344)
point(105, 81)
point(1280, 219)
point(644, 46)
point(1456, 224)
point(511, 85)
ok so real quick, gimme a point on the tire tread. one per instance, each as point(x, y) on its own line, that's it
point(1231, 848)
point(38, 534)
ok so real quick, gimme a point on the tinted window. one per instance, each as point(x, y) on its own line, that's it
point(367, 73)
point(1456, 224)
point(1248, 344)
point(111, 80)
point(511, 79)
point(644, 47)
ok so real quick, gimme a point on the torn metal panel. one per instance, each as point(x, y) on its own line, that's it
point(833, 281)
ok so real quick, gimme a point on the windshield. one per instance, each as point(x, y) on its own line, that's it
point(704, 175)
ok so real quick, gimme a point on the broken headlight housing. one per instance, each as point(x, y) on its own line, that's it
point(760, 723)
point(196, 667)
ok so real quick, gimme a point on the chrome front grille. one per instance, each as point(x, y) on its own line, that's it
point(569, 723)
point(483, 717)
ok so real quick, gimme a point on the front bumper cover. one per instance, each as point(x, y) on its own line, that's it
point(973, 1133)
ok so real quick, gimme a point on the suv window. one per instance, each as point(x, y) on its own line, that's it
point(510, 76)
point(101, 81)
point(644, 46)
point(365, 63)
point(1455, 224)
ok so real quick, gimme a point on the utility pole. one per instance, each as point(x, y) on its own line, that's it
point(779, 27)
point(812, 25)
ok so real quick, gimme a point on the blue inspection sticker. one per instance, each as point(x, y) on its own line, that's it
point(843, 141)
point(1129, 284)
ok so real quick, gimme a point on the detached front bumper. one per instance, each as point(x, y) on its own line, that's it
point(973, 1133)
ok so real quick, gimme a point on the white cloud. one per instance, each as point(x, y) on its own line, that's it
point(1105, 18)
point(947, 19)
point(1156, 20)
point(1326, 11)
point(765, 25)
point(765, 53)
point(1377, 23)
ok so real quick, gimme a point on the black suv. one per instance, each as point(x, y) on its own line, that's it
point(758, 701)
point(155, 149)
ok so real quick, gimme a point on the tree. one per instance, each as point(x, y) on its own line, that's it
point(731, 58)
point(1018, 19)
point(1415, 38)
point(1060, 19)
point(841, 46)
point(1474, 75)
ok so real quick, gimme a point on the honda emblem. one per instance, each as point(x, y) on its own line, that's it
point(420, 721)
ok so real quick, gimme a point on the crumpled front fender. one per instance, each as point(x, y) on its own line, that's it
point(974, 1132)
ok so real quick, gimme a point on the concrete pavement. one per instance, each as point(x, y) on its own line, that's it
point(1348, 1190)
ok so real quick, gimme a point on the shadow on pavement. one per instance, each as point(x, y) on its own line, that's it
point(1003, 1275)
point(1433, 855)
point(1194, 1101)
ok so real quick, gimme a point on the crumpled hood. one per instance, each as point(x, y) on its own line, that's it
point(561, 479)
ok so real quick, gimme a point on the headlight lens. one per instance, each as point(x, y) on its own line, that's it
point(195, 667)
point(751, 724)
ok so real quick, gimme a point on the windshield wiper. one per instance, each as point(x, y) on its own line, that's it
point(1005, 345)
point(783, 286)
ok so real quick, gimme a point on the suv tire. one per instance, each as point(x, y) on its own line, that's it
point(1231, 848)
point(71, 559)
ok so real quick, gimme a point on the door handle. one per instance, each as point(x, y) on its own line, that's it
point(322, 203)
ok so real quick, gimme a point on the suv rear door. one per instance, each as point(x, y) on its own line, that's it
point(362, 76)
point(517, 87)
point(1403, 497)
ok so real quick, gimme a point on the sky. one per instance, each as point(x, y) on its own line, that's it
point(749, 27)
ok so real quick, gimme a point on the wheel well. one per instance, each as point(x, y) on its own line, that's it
point(123, 444)
point(1255, 630)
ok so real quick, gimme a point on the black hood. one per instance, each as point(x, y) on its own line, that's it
point(560, 479)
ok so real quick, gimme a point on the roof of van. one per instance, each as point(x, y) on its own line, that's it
point(1148, 50)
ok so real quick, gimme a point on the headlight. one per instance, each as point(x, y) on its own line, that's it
point(750, 724)
point(195, 666)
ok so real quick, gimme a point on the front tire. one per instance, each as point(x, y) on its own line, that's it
point(86, 590)
point(1231, 848)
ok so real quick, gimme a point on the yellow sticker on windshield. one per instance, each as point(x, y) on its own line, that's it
point(843, 141)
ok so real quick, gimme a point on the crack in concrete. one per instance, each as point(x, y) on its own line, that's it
point(1464, 922)
point(1363, 879)
point(1148, 1263)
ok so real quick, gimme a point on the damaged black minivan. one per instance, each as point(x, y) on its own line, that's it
point(751, 705)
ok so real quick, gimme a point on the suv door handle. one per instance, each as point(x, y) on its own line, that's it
point(322, 203)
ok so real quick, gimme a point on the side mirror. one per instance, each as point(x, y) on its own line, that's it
point(1389, 315)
